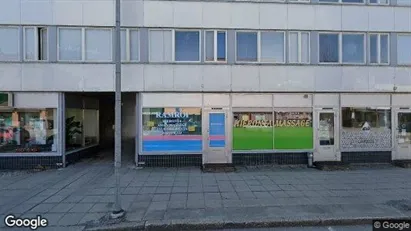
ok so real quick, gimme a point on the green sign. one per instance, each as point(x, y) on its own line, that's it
point(4, 99)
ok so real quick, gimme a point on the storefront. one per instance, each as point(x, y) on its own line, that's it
point(274, 128)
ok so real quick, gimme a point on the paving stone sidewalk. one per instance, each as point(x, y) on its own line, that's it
point(79, 196)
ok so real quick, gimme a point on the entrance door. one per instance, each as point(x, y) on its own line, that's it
point(326, 138)
point(215, 137)
point(403, 134)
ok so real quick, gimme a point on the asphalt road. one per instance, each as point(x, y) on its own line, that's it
point(316, 228)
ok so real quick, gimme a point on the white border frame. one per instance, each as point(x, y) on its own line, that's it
point(149, 45)
point(341, 2)
point(58, 43)
point(128, 45)
point(19, 58)
point(379, 3)
point(215, 46)
point(364, 62)
point(174, 45)
point(399, 63)
point(37, 39)
point(299, 48)
point(378, 49)
point(84, 50)
point(339, 48)
point(258, 46)
point(284, 46)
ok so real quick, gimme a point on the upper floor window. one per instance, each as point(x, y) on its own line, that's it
point(130, 42)
point(299, 47)
point(264, 46)
point(160, 45)
point(342, 1)
point(299, 0)
point(403, 49)
point(9, 44)
point(379, 49)
point(342, 48)
point(35, 43)
point(215, 46)
point(80, 44)
point(380, 2)
point(187, 46)
point(404, 2)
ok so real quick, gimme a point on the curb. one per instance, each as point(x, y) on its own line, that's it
point(164, 225)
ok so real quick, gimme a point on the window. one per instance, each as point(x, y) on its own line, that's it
point(9, 44)
point(215, 46)
point(272, 47)
point(85, 44)
point(404, 2)
point(187, 46)
point(353, 48)
point(130, 42)
point(98, 45)
point(28, 131)
point(299, 0)
point(379, 48)
point(366, 128)
point(329, 48)
point(380, 2)
point(172, 129)
point(403, 52)
point(342, 1)
point(299, 47)
point(160, 45)
point(293, 129)
point(35, 43)
point(247, 46)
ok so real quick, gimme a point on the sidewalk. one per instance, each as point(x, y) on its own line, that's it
point(80, 196)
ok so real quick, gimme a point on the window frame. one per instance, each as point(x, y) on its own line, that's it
point(379, 63)
point(339, 48)
point(215, 47)
point(36, 44)
point(299, 1)
point(83, 44)
point(379, 3)
point(19, 48)
point(128, 45)
point(398, 63)
point(258, 46)
point(299, 48)
point(149, 45)
point(341, 2)
point(364, 61)
point(173, 45)
point(259, 52)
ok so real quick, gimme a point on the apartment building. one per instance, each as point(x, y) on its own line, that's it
point(236, 82)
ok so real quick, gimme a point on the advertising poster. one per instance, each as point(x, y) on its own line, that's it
point(293, 130)
point(172, 129)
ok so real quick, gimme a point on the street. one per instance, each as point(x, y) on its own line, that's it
point(316, 228)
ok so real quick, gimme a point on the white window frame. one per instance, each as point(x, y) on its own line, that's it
point(173, 53)
point(36, 44)
point(149, 44)
point(379, 49)
point(398, 63)
point(259, 46)
point(299, 49)
point(215, 33)
point(19, 48)
point(364, 61)
point(341, 2)
point(299, 1)
point(128, 45)
point(83, 44)
point(379, 3)
point(339, 48)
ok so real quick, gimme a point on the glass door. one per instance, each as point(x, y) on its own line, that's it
point(403, 134)
point(327, 136)
point(215, 137)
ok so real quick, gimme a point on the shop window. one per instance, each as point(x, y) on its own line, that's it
point(172, 129)
point(293, 130)
point(253, 131)
point(366, 128)
point(24, 131)
point(74, 129)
